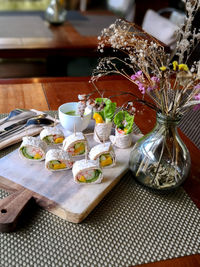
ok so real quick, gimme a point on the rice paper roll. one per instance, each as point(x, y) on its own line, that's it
point(102, 131)
point(75, 144)
point(104, 154)
point(87, 172)
point(123, 140)
point(58, 160)
point(32, 149)
point(52, 135)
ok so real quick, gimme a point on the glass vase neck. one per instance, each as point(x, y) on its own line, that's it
point(167, 119)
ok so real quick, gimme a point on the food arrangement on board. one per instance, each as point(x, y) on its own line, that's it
point(72, 168)
point(63, 152)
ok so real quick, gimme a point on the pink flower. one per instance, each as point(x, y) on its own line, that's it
point(137, 78)
point(155, 79)
point(142, 83)
point(141, 88)
point(197, 86)
point(197, 97)
point(197, 107)
point(149, 89)
point(136, 75)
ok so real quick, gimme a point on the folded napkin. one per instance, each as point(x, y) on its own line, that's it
point(159, 27)
point(17, 137)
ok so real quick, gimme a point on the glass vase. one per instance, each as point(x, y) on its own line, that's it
point(160, 160)
point(55, 13)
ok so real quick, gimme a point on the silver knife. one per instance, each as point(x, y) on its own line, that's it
point(13, 126)
point(42, 121)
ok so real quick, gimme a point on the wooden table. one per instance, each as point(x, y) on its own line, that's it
point(54, 53)
point(66, 41)
point(65, 44)
point(50, 93)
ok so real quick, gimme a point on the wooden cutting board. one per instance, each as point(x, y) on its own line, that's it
point(56, 191)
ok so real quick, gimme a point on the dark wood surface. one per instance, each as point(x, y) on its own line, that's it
point(30, 57)
point(11, 207)
point(66, 41)
point(187, 261)
point(53, 92)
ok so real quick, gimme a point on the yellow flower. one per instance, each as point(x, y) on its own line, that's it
point(183, 67)
point(175, 65)
point(163, 68)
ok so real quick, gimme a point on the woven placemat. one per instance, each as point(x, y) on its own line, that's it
point(189, 125)
point(131, 225)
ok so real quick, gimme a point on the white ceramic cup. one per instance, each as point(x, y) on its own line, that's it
point(68, 121)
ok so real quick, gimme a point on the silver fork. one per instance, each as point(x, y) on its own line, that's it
point(37, 121)
point(17, 112)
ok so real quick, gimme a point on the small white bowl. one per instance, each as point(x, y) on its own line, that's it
point(68, 121)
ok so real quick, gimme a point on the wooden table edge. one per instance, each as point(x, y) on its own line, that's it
point(184, 261)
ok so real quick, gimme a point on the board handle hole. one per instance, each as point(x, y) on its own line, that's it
point(3, 211)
